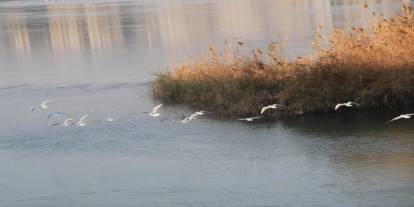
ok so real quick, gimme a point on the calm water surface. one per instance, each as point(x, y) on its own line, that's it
point(98, 58)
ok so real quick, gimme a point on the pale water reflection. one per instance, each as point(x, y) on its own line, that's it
point(69, 42)
point(97, 58)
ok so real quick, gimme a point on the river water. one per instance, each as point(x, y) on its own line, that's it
point(98, 58)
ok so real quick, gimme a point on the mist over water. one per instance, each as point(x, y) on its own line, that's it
point(98, 58)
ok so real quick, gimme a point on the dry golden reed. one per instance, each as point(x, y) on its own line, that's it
point(373, 67)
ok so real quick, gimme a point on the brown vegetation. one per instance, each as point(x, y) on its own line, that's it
point(374, 68)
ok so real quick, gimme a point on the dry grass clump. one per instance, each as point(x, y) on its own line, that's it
point(374, 68)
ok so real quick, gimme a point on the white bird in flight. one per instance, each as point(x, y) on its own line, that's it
point(156, 111)
point(402, 116)
point(273, 106)
point(81, 121)
point(347, 104)
point(250, 119)
point(44, 104)
point(199, 113)
point(193, 116)
point(110, 119)
point(186, 120)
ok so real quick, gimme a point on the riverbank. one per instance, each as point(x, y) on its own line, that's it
point(374, 67)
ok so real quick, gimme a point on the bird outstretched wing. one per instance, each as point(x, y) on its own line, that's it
point(81, 121)
point(250, 118)
point(395, 119)
point(354, 103)
point(337, 106)
point(156, 109)
point(46, 102)
point(264, 109)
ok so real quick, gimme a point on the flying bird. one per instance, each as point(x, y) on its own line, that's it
point(81, 121)
point(110, 119)
point(402, 116)
point(189, 118)
point(44, 104)
point(32, 108)
point(68, 122)
point(347, 104)
point(156, 111)
point(250, 119)
point(200, 113)
point(186, 120)
point(193, 116)
point(55, 114)
point(273, 106)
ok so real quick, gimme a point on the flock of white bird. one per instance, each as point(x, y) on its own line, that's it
point(156, 111)
point(69, 121)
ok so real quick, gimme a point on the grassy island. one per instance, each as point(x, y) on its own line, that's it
point(374, 67)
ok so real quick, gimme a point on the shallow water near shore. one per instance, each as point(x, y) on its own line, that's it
point(98, 57)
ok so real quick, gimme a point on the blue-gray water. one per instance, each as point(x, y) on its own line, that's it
point(98, 58)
